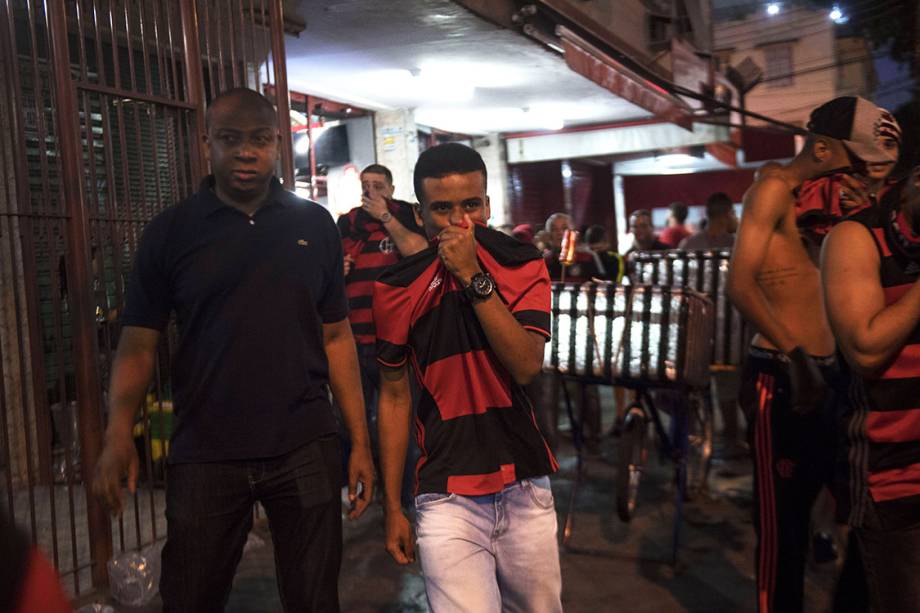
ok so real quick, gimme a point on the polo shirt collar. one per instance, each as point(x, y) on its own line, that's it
point(209, 203)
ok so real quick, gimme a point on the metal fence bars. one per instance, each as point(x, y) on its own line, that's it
point(655, 335)
point(706, 272)
point(102, 106)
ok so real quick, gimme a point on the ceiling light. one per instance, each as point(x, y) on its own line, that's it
point(419, 84)
point(481, 121)
point(773, 8)
point(476, 74)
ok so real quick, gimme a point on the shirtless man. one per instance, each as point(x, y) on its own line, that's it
point(776, 286)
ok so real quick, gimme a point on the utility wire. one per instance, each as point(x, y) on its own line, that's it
point(849, 9)
point(672, 87)
point(796, 73)
point(764, 38)
point(728, 39)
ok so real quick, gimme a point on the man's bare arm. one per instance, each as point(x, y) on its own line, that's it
point(519, 350)
point(345, 381)
point(868, 332)
point(765, 204)
point(394, 410)
point(407, 242)
point(132, 371)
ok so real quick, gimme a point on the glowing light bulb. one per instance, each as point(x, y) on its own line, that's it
point(773, 8)
point(837, 15)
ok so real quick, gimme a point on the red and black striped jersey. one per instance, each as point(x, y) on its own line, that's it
point(885, 428)
point(373, 251)
point(475, 426)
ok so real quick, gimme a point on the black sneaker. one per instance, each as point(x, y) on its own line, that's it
point(823, 548)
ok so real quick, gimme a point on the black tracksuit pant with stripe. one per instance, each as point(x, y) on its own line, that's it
point(793, 459)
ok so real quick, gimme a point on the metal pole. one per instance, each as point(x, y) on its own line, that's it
point(282, 98)
point(79, 273)
point(313, 189)
point(195, 89)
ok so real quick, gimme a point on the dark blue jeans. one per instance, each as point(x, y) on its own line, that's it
point(209, 515)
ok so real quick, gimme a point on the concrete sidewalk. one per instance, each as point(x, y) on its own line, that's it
point(608, 565)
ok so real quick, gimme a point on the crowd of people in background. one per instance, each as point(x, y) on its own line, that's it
point(595, 257)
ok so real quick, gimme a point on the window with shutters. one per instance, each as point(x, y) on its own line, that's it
point(779, 65)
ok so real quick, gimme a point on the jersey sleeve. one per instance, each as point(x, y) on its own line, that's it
point(527, 292)
point(532, 309)
point(391, 318)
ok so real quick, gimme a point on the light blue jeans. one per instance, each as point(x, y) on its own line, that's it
point(491, 553)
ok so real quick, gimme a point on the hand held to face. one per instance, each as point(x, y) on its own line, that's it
point(807, 387)
point(457, 249)
point(374, 205)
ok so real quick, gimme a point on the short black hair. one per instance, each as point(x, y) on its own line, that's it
point(379, 169)
point(595, 234)
point(246, 100)
point(447, 159)
point(640, 213)
point(679, 211)
point(718, 204)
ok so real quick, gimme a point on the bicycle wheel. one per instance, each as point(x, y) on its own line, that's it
point(699, 445)
point(631, 457)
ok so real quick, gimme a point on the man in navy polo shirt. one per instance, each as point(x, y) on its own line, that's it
point(472, 314)
point(254, 275)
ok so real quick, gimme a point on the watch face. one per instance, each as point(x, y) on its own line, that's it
point(482, 285)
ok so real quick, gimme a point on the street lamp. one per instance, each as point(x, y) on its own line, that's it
point(837, 16)
point(773, 8)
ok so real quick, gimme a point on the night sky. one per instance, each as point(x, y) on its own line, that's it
point(894, 84)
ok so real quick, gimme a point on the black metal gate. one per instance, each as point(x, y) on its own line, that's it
point(101, 115)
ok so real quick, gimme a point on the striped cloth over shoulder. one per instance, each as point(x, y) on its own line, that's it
point(372, 251)
point(475, 425)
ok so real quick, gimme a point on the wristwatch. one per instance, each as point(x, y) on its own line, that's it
point(481, 287)
point(387, 216)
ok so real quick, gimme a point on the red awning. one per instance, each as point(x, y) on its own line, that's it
point(592, 63)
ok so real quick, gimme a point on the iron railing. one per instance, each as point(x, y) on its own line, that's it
point(101, 117)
